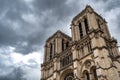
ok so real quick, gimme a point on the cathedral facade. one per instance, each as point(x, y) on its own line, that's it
point(90, 54)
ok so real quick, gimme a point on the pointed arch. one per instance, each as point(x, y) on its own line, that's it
point(86, 65)
point(86, 75)
point(67, 75)
point(93, 73)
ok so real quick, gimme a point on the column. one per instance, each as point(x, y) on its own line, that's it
point(56, 68)
point(64, 44)
point(73, 32)
point(59, 44)
point(77, 32)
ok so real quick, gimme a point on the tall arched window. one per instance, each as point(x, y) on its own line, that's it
point(86, 25)
point(54, 48)
point(80, 30)
point(51, 51)
point(63, 45)
point(86, 75)
point(94, 73)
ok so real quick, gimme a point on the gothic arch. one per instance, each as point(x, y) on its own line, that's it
point(93, 73)
point(66, 73)
point(86, 75)
point(86, 65)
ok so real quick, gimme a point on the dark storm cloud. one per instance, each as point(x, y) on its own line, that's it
point(5, 35)
point(51, 4)
point(8, 35)
point(50, 14)
point(109, 4)
point(15, 74)
point(59, 11)
point(13, 10)
point(15, 32)
point(25, 36)
point(112, 4)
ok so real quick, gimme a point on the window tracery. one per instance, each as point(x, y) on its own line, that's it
point(66, 60)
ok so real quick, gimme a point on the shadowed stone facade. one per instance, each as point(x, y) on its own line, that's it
point(90, 54)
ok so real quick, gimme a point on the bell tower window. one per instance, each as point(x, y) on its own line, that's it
point(80, 30)
point(50, 51)
point(86, 25)
point(62, 45)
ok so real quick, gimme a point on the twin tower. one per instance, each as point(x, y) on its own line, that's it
point(90, 54)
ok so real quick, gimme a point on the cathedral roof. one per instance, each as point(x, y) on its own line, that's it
point(59, 34)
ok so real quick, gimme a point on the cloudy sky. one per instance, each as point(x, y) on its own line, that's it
point(26, 24)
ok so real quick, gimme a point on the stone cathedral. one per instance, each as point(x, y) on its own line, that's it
point(90, 54)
